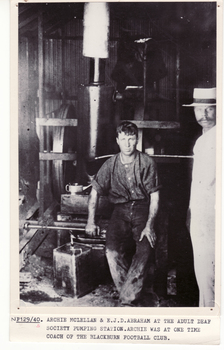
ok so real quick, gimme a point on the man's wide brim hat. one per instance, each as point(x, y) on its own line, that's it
point(203, 97)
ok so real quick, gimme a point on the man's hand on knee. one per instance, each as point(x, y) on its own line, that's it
point(149, 233)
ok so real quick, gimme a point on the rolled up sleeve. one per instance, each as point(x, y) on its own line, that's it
point(101, 182)
point(150, 179)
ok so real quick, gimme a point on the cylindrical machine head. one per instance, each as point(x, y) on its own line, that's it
point(96, 30)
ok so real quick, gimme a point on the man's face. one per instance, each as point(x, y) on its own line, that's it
point(205, 116)
point(127, 143)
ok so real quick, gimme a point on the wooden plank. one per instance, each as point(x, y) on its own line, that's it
point(152, 124)
point(57, 156)
point(56, 122)
point(40, 65)
point(30, 233)
point(71, 37)
point(171, 156)
point(140, 137)
point(27, 21)
point(50, 209)
point(48, 150)
point(41, 107)
point(32, 210)
point(63, 64)
point(178, 83)
point(66, 37)
point(27, 237)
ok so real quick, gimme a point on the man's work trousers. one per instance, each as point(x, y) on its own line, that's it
point(127, 256)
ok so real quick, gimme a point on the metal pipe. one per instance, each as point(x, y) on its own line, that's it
point(56, 225)
point(151, 155)
point(41, 108)
point(94, 100)
point(105, 156)
point(96, 76)
point(28, 226)
point(169, 156)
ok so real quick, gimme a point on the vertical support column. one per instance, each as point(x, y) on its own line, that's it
point(63, 65)
point(41, 109)
point(96, 76)
point(140, 139)
point(48, 150)
point(144, 77)
point(178, 84)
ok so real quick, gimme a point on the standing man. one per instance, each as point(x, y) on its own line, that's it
point(130, 180)
point(202, 198)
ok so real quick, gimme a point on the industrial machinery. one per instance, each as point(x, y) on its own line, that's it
point(72, 146)
point(76, 146)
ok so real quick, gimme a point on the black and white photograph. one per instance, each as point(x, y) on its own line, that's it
point(117, 157)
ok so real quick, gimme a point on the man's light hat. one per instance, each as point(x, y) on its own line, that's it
point(203, 97)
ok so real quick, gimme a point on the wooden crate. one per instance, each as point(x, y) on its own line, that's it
point(78, 204)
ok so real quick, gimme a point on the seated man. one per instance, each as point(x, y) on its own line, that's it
point(130, 180)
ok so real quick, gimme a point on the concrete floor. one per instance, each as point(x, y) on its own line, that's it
point(41, 293)
point(36, 289)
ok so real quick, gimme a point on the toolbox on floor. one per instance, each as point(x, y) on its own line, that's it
point(73, 269)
